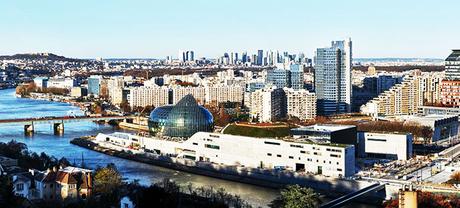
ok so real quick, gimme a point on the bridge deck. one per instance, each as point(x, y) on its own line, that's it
point(65, 119)
point(346, 198)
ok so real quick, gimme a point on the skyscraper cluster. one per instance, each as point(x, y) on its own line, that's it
point(186, 56)
point(261, 58)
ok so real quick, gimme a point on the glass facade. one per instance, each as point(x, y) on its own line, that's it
point(94, 83)
point(158, 118)
point(182, 120)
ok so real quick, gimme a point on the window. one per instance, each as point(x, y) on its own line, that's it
point(296, 146)
point(291, 157)
point(194, 143)
point(301, 151)
point(339, 169)
point(278, 155)
point(376, 140)
point(269, 154)
point(272, 143)
point(189, 157)
point(125, 205)
point(19, 187)
point(334, 155)
point(210, 146)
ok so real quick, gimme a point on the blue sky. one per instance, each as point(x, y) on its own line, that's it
point(156, 28)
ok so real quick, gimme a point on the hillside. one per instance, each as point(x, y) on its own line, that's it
point(39, 56)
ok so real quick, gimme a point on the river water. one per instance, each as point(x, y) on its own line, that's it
point(44, 140)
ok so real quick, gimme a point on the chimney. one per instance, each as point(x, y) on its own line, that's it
point(32, 172)
point(54, 169)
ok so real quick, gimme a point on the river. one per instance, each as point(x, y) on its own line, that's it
point(44, 140)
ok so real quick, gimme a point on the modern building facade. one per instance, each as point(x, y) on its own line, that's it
point(394, 146)
point(292, 77)
point(333, 160)
point(180, 120)
point(327, 133)
point(333, 78)
point(450, 87)
point(94, 85)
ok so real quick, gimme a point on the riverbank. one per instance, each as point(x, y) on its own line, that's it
point(330, 187)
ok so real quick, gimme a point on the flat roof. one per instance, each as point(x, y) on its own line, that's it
point(430, 117)
point(324, 127)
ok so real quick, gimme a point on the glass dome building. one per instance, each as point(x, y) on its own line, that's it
point(158, 117)
point(182, 120)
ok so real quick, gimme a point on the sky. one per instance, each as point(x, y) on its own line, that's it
point(158, 28)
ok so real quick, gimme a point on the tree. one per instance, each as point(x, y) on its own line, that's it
point(455, 177)
point(7, 196)
point(295, 196)
point(107, 179)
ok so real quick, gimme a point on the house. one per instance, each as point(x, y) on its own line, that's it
point(68, 183)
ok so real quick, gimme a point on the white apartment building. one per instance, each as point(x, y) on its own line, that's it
point(405, 98)
point(115, 87)
point(268, 104)
point(333, 160)
point(224, 93)
point(300, 103)
point(397, 146)
point(148, 96)
point(178, 92)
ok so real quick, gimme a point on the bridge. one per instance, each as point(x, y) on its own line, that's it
point(339, 202)
point(58, 122)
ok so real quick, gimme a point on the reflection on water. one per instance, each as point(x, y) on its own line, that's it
point(43, 140)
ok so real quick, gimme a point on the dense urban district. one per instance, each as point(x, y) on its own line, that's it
point(382, 132)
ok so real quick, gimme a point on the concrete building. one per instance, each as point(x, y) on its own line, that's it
point(333, 160)
point(115, 87)
point(333, 78)
point(59, 82)
point(77, 92)
point(148, 96)
point(405, 98)
point(41, 82)
point(301, 104)
point(268, 104)
point(395, 146)
point(178, 92)
point(224, 93)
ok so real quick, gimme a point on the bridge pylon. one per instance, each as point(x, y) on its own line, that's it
point(29, 129)
point(58, 128)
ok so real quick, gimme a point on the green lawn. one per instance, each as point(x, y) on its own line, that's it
point(257, 132)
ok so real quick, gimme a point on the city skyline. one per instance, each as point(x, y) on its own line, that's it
point(158, 29)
